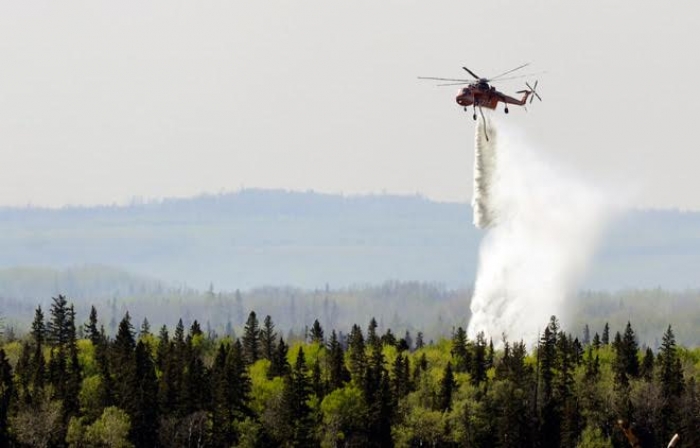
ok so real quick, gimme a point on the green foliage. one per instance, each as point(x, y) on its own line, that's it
point(342, 414)
point(199, 390)
point(111, 429)
point(594, 438)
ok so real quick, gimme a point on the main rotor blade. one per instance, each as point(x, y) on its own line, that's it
point(509, 71)
point(517, 77)
point(471, 73)
point(466, 81)
point(454, 84)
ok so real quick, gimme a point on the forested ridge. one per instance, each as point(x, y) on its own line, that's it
point(254, 238)
point(66, 383)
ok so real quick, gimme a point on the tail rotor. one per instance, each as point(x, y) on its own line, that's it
point(533, 91)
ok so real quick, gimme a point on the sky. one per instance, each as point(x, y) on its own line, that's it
point(107, 102)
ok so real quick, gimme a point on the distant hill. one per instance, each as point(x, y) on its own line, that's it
point(262, 237)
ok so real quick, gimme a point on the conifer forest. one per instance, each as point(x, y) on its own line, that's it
point(67, 383)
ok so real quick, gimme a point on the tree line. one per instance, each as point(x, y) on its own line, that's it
point(148, 388)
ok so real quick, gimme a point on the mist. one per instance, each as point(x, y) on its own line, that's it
point(543, 225)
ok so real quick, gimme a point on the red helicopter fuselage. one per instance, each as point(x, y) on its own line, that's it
point(482, 95)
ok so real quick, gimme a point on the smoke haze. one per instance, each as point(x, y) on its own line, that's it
point(543, 224)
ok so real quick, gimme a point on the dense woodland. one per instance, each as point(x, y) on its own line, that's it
point(188, 387)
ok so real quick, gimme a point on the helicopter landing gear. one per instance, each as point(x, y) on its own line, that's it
point(474, 116)
point(506, 109)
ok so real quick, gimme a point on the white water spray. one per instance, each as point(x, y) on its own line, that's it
point(543, 225)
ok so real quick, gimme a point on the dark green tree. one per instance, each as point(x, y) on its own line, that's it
point(479, 360)
point(647, 368)
point(296, 412)
point(73, 380)
point(57, 328)
point(316, 332)
point(401, 376)
point(279, 366)
point(6, 394)
point(447, 387)
point(460, 351)
point(606, 334)
point(144, 421)
point(91, 330)
point(163, 347)
point(372, 335)
point(38, 364)
point(124, 360)
point(268, 335)
point(337, 372)
point(380, 399)
point(251, 339)
point(388, 338)
point(550, 429)
point(145, 328)
point(671, 379)
point(629, 351)
point(419, 340)
point(357, 356)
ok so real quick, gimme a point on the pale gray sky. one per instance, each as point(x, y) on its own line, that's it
point(101, 102)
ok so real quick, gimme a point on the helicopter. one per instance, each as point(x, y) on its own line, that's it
point(479, 92)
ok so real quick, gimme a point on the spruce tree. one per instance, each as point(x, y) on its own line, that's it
point(57, 328)
point(401, 385)
point(162, 348)
point(91, 330)
point(479, 360)
point(145, 330)
point(124, 360)
point(460, 351)
point(550, 412)
point(372, 336)
point(268, 335)
point(38, 364)
point(73, 380)
point(606, 334)
point(316, 332)
point(671, 378)
point(220, 414)
point(296, 411)
point(279, 365)
point(195, 392)
point(317, 385)
point(419, 340)
point(629, 352)
point(338, 373)
point(357, 357)
point(144, 420)
point(388, 338)
point(251, 339)
point(6, 394)
point(447, 387)
point(647, 368)
point(239, 382)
